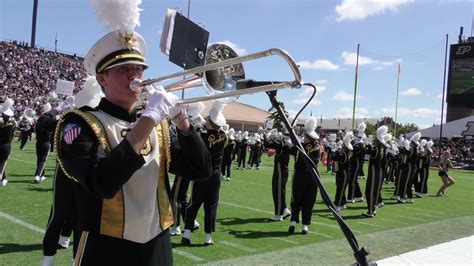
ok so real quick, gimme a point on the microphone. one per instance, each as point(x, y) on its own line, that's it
point(250, 83)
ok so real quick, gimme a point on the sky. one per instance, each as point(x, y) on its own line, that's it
point(320, 35)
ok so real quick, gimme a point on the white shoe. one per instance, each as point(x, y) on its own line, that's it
point(63, 241)
point(360, 199)
point(286, 213)
point(175, 231)
point(409, 200)
point(305, 229)
point(276, 218)
point(4, 183)
point(196, 225)
point(228, 179)
point(37, 179)
point(47, 261)
point(208, 240)
point(43, 178)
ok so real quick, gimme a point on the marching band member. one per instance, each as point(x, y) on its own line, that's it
point(243, 150)
point(425, 158)
point(257, 150)
point(238, 144)
point(342, 157)
point(413, 162)
point(227, 157)
point(207, 192)
point(119, 162)
point(7, 131)
point(44, 130)
point(403, 170)
point(376, 152)
point(25, 129)
point(354, 193)
point(304, 190)
point(281, 145)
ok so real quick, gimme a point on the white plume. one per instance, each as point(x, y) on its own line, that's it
point(310, 124)
point(194, 109)
point(121, 15)
point(218, 106)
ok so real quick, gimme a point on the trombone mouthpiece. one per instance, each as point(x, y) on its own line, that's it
point(135, 84)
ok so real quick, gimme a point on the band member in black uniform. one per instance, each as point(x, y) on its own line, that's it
point(207, 191)
point(44, 130)
point(281, 145)
point(376, 152)
point(303, 189)
point(227, 156)
point(119, 163)
point(250, 148)
point(413, 160)
point(425, 158)
point(238, 144)
point(7, 131)
point(387, 138)
point(342, 159)
point(257, 150)
point(243, 150)
point(391, 163)
point(24, 126)
point(405, 152)
point(330, 148)
point(354, 193)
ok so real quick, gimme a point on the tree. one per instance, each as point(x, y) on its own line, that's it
point(277, 123)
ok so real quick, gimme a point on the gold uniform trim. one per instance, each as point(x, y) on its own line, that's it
point(119, 57)
point(166, 211)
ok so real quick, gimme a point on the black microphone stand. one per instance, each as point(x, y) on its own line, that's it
point(360, 254)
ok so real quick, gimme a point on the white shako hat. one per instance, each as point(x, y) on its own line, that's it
point(215, 114)
point(381, 132)
point(310, 126)
point(115, 49)
point(416, 138)
point(347, 140)
point(429, 144)
point(122, 45)
point(361, 130)
point(6, 107)
point(231, 133)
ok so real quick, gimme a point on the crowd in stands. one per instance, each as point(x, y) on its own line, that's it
point(28, 74)
point(461, 150)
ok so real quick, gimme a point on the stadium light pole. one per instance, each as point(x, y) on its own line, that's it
point(33, 23)
point(444, 90)
point(355, 88)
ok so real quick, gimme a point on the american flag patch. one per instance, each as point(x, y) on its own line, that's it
point(71, 132)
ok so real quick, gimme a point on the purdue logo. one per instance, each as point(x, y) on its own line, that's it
point(146, 149)
point(470, 129)
point(463, 49)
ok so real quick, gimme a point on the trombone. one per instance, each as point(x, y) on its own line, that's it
point(223, 70)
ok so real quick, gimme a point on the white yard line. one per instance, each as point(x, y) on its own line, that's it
point(187, 255)
point(285, 240)
point(20, 222)
point(238, 246)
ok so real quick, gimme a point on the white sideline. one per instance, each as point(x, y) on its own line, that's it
point(456, 252)
point(20, 222)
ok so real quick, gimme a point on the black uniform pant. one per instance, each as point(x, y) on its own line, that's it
point(242, 156)
point(402, 183)
point(5, 150)
point(226, 167)
point(412, 180)
point(304, 192)
point(374, 179)
point(23, 138)
point(206, 192)
point(342, 178)
point(63, 216)
point(353, 184)
point(279, 180)
point(423, 184)
point(179, 191)
point(328, 160)
point(42, 151)
point(96, 249)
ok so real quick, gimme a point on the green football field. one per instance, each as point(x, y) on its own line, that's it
point(244, 236)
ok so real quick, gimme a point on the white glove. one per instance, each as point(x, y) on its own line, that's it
point(159, 105)
point(178, 113)
point(194, 109)
point(1, 120)
point(197, 120)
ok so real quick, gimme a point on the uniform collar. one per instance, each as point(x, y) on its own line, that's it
point(117, 111)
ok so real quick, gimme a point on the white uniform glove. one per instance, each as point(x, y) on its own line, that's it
point(194, 109)
point(178, 114)
point(1, 120)
point(159, 105)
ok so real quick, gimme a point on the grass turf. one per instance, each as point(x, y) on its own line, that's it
point(243, 233)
